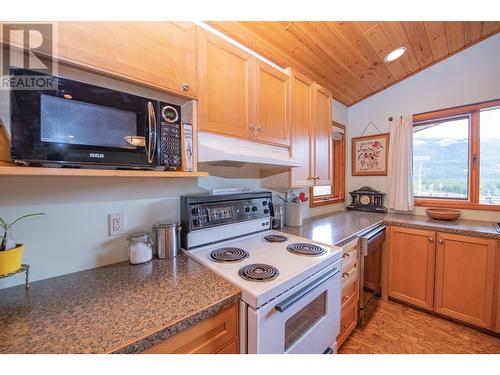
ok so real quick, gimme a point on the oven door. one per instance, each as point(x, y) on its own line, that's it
point(305, 319)
point(81, 123)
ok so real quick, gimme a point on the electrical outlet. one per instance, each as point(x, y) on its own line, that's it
point(116, 224)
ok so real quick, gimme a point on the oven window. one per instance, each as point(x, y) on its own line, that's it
point(303, 320)
point(73, 122)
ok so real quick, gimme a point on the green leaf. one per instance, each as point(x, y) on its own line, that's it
point(25, 216)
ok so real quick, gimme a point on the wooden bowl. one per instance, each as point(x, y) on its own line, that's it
point(443, 213)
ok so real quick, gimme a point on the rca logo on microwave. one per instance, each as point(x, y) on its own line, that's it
point(96, 155)
point(28, 46)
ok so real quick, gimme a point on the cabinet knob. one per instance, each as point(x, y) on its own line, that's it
point(185, 86)
point(252, 127)
point(431, 239)
point(440, 242)
point(260, 128)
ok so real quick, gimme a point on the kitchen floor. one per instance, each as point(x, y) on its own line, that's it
point(395, 328)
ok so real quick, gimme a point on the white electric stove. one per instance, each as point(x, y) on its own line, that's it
point(290, 285)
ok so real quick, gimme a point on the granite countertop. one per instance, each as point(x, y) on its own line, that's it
point(336, 228)
point(339, 228)
point(118, 308)
point(461, 226)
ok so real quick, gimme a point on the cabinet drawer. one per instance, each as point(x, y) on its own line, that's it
point(348, 320)
point(350, 253)
point(349, 290)
point(231, 348)
point(210, 336)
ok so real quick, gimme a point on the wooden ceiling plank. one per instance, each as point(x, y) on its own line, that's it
point(310, 39)
point(382, 46)
point(397, 36)
point(455, 35)
point(417, 35)
point(490, 27)
point(343, 54)
point(353, 37)
point(473, 31)
point(304, 51)
point(436, 32)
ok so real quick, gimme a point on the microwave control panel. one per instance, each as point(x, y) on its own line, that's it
point(170, 136)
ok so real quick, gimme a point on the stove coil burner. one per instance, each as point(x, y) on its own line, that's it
point(275, 238)
point(258, 272)
point(305, 249)
point(228, 254)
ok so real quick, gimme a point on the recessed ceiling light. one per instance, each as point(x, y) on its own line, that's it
point(395, 54)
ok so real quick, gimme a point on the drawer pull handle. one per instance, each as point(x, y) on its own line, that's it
point(345, 298)
point(346, 255)
point(431, 239)
point(185, 86)
point(346, 325)
point(345, 274)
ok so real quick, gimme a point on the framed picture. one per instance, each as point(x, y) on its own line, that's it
point(369, 155)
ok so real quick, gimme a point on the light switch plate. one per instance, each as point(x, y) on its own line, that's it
point(116, 224)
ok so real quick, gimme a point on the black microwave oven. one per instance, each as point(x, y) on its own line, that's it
point(85, 125)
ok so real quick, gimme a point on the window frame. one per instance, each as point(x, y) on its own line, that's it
point(338, 174)
point(474, 157)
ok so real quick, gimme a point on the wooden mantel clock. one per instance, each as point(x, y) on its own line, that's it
point(367, 199)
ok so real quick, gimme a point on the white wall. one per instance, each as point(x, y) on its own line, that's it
point(470, 76)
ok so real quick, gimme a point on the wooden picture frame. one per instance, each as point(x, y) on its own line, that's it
point(370, 155)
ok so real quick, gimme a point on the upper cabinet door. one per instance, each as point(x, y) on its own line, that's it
point(322, 135)
point(465, 269)
point(225, 73)
point(158, 54)
point(301, 89)
point(271, 107)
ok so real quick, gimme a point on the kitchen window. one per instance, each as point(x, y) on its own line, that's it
point(456, 162)
point(335, 193)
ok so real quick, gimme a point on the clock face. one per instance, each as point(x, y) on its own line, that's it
point(364, 200)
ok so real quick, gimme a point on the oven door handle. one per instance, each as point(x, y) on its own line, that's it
point(286, 304)
point(151, 146)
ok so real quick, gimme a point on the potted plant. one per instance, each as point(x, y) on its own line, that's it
point(11, 252)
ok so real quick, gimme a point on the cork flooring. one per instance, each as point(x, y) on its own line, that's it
point(399, 329)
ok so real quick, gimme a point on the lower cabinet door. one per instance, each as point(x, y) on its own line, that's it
point(348, 320)
point(217, 334)
point(411, 266)
point(497, 318)
point(465, 268)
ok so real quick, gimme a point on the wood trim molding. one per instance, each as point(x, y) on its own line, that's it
point(338, 175)
point(454, 111)
point(472, 111)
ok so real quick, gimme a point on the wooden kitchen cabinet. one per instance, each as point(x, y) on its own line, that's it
point(301, 89)
point(271, 108)
point(158, 54)
point(411, 266)
point(497, 287)
point(217, 334)
point(225, 73)
point(350, 291)
point(239, 95)
point(465, 268)
point(322, 135)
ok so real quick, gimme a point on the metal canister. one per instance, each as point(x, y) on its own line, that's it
point(166, 240)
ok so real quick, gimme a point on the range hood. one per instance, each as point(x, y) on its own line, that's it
point(217, 150)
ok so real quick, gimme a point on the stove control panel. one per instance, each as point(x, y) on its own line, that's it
point(200, 215)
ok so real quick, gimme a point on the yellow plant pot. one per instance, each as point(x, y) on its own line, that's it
point(10, 260)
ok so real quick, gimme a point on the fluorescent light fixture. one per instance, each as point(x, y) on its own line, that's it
point(395, 54)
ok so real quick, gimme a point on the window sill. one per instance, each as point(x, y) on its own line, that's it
point(318, 202)
point(449, 203)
